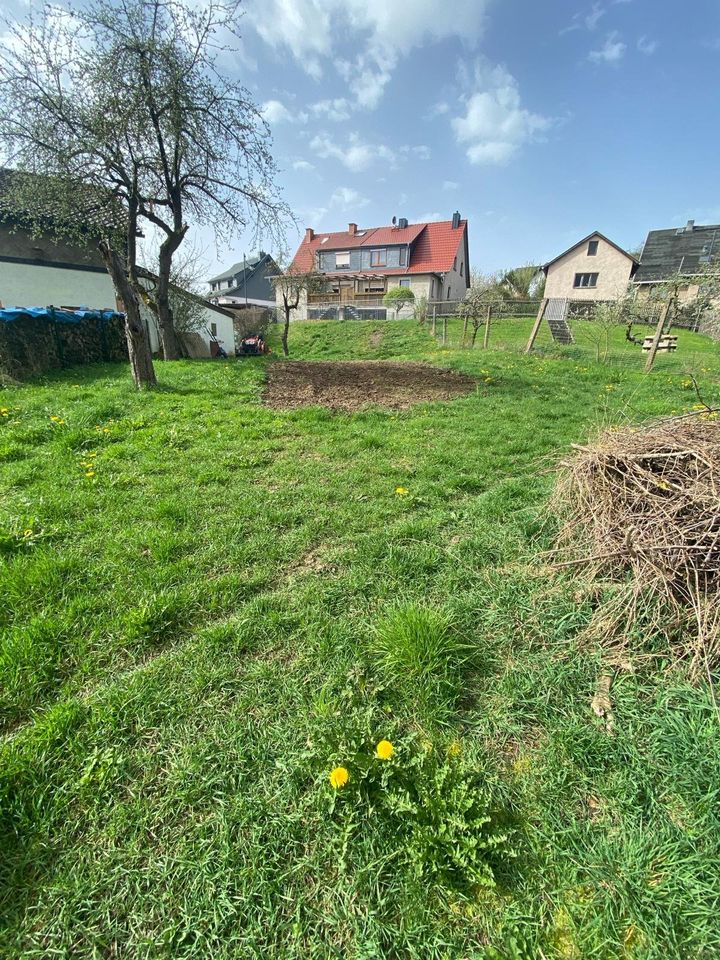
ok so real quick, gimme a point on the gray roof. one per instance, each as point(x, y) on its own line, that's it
point(685, 250)
point(250, 263)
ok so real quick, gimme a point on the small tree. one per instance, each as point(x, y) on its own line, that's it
point(482, 294)
point(397, 298)
point(520, 282)
point(290, 285)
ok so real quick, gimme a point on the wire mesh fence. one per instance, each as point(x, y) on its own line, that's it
point(592, 338)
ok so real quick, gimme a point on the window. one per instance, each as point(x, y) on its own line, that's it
point(585, 280)
point(448, 296)
point(592, 248)
point(403, 256)
point(405, 282)
point(342, 260)
point(455, 264)
point(378, 258)
point(213, 329)
point(462, 266)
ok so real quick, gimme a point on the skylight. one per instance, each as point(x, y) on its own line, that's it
point(324, 239)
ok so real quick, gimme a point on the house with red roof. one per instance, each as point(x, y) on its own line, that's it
point(362, 264)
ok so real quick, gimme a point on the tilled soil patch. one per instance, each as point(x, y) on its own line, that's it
point(348, 385)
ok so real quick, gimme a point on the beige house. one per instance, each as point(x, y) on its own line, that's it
point(595, 268)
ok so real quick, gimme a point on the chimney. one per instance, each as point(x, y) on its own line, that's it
point(309, 234)
point(402, 223)
point(456, 220)
point(352, 229)
point(690, 226)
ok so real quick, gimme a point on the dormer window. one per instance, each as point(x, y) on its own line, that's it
point(592, 248)
point(342, 260)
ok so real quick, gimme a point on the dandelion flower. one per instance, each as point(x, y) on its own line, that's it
point(384, 750)
point(401, 491)
point(27, 533)
point(339, 777)
point(454, 750)
point(89, 473)
point(4, 411)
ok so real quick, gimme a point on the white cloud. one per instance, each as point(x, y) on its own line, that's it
point(646, 46)
point(612, 51)
point(302, 165)
point(495, 124)
point(450, 185)
point(345, 198)
point(276, 112)
point(337, 109)
point(426, 217)
point(383, 33)
point(438, 109)
point(354, 154)
point(589, 20)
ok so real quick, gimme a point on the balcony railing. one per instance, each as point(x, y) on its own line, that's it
point(358, 298)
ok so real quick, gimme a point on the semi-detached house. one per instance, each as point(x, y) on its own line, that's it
point(362, 264)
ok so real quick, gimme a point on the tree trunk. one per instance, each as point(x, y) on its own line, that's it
point(169, 343)
point(137, 340)
point(286, 331)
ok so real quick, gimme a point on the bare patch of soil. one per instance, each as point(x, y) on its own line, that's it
point(347, 385)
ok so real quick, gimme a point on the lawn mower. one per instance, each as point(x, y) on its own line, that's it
point(253, 345)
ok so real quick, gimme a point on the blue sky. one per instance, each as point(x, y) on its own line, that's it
point(540, 122)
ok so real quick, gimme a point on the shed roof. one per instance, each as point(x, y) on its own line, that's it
point(684, 250)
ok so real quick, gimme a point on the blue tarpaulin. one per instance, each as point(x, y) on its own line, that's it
point(9, 314)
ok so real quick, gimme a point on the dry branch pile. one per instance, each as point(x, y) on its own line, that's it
point(642, 510)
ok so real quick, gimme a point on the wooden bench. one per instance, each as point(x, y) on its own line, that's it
point(667, 342)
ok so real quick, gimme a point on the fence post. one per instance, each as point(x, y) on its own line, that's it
point(445, 323)
point(656, 338)
point(434, 321)
point(486, 338)
point(536, 325)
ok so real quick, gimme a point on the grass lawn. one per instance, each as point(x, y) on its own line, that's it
point(208, 605)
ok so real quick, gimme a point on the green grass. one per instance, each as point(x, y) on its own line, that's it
point(193, 636)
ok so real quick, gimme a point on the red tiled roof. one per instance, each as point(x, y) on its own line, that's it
point(434, 246)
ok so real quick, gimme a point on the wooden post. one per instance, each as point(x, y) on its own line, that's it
point(464, 333)
point(445, 323)
point(486, 338)
point(536, 325)
point(434, 321)
point(656, 339)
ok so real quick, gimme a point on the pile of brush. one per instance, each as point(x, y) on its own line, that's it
point(642, 517)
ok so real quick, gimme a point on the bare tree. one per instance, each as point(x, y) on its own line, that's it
point(290, 285)
point(482, 294)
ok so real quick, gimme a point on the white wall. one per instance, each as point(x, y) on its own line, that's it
point(225, 330)
point(612, 267)
point(30, 285)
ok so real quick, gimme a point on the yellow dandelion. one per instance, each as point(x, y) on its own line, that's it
point(454, 750)
point(89, 473)
point(27, 533)
point(339, 777)
point(4, 411)
point(384, 750)
point(401, 491)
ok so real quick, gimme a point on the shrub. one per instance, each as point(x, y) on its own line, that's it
point(398, 297)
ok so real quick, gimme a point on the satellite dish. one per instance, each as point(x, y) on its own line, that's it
point(394, 221)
